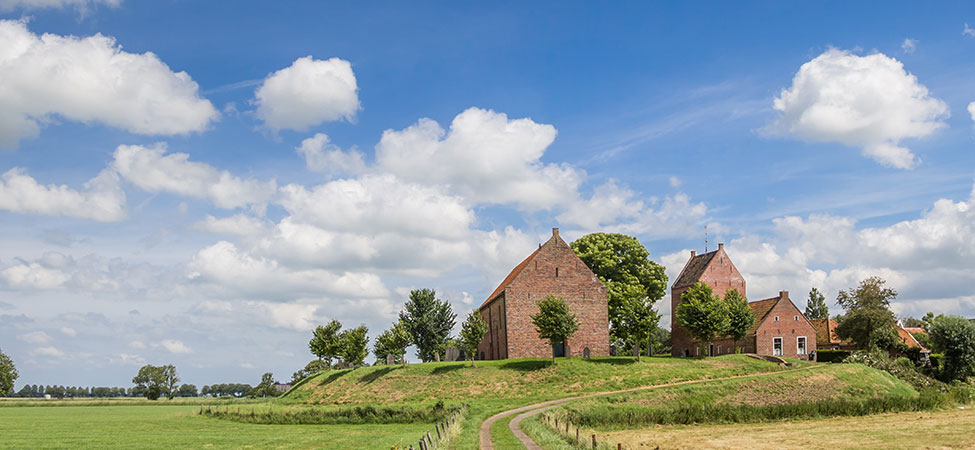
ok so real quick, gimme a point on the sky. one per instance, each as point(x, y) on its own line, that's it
point(194, 184)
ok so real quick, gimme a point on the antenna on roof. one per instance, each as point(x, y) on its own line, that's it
point(705, 238)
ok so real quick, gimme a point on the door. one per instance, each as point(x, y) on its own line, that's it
point(559, 350)
point(711, 350)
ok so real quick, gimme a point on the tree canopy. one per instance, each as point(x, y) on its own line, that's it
point(633, 281)
point(325, 343)
point(265, 388)
point(354, 345)
point(703, 314)
point(157, 380)
point(429, 321)
point(954, 337)
point(554, 322)
point(472, 332)
point(816, 305)
point(868, 321)
point(392, 342)
point(8, 374)
point(740, 316)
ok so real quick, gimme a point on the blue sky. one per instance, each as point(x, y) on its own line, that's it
point(201, 185)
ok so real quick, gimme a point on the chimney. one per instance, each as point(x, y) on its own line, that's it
point(693, 253)
point(784, 295)
point(555, 232)
point(721, 246)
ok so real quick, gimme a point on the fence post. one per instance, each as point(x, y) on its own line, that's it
point(577, 435)
point(594, 441)
point(619, 446)
point(437, 427)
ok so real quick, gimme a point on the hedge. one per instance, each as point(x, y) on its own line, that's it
point(832, 355)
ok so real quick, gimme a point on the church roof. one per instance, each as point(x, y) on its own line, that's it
point(694, 269)
point(511, 277)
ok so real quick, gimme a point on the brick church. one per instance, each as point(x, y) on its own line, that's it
point(552, 269)
point(780, 329)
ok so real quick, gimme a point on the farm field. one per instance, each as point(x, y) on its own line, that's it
point(908, 430)
point(178, 426)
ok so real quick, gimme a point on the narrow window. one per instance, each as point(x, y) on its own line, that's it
point(777, 346)
point(556, 272)
point(776, 318)
point(719, 349)
point(796, 318)
point(801, 345)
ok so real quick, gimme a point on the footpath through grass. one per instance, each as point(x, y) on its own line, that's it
point(177, 426)
point(495, 386)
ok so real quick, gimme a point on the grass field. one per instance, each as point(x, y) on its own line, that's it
point(910, 430)
point(495, 386)
point(177, 426)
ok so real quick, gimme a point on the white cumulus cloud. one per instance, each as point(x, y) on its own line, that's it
point(102, 199)
point(91, 80)
point(869, 102)
point(307, 93)
point(485, 157)
point(321, 155)
point(152, 170)
point(174, 346)
point(909, 45)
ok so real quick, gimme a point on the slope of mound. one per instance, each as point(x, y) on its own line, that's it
point(510, 380)
point(836, 389)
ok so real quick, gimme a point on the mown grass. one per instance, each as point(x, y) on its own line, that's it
point(178, 426)
point(836, 390)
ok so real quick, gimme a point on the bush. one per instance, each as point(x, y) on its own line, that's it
point(902, 368)
point(832, 355)
point(937, 361)
point(321, 416)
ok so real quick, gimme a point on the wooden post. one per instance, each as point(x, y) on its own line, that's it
point(439, 436)
point(556, 423)
point(630, 419)
point(567, 428)
point(619, 446)
point(594, 441)
point(577, 435)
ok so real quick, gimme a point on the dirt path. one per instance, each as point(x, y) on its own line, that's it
point(525, 412)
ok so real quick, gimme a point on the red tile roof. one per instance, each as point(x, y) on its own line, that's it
point(693, 270)
point(824, 328)
point(508, 279)
point(906, 337)
point(761, 308)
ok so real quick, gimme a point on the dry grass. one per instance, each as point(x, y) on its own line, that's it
point(912, 430)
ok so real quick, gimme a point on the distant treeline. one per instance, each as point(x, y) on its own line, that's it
point(186, 390)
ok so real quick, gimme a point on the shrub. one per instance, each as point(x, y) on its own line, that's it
point(832, 355)
point(902, 368)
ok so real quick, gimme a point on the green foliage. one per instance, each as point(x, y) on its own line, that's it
point(429, 321)
point(187, 390)
point(869, 322)
point(912, 322)
point(634, 282)
point(265, 388)
point(902, 368)
point(325, 343)
point(392, 342)
point(314, 366)
point(816, 305)
point(832, 356)
point(954, 337)
point(661, 341)
point(353, 345)
point(554, 321)
point(472, 332)
point(740, 316)
point(8, 374)
point(703, 314)
point(157, 380)
point(325, 416)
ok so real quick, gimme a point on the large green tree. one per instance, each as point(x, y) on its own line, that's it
point(354, 345)
point(554, 322)
point(392, 342)
point(472, 332)
point(265, 388)
point(8, 374)
point(429, 321)
point(154, 381)
point(325, 343)
point(816, 305)
point(740, 316)
point(954, 337)
point(868, 321)
point(703, 314)
point(314, 366)
point(634, 282)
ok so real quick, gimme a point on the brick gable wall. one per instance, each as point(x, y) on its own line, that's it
point(788, 327)
point(553, 270)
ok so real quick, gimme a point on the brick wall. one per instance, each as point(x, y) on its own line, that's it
point(554, 270)
point(791, 325)
point(722, 275)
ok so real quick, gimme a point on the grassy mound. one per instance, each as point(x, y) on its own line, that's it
point(510, 380)
point(835, 390)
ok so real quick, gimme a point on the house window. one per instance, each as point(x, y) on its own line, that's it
point(556, 272)
point(796, 318)
point(776, 318)
point(777, 346)
point(801, 345)
point(719, 349)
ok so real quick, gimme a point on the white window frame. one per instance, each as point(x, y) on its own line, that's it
point(781, 346)
point(796, 319)
point(804, 345)
point(719, 350)
point(776, 319)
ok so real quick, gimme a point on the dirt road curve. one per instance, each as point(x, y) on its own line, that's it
point(527, 411)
